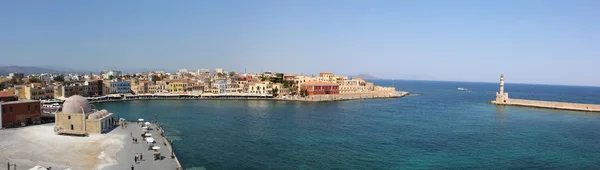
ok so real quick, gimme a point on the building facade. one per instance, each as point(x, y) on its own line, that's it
point(20, 113)
point(78, 117)
point(121, 87)
point(320, 88)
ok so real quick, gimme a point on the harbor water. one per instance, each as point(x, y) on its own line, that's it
point(440, 128)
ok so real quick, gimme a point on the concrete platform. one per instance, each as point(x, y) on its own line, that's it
point(551, 105)
point(125, 156)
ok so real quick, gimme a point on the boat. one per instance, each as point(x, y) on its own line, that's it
point(462, 89)
point(51, 108)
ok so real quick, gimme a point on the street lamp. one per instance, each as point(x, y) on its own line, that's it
point(8, 165)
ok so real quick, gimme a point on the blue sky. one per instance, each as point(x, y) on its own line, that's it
point(530, 41)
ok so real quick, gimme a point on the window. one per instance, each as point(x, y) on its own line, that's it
point(28, 107)
point(37, 107)
point(3, 110)
point(71, 125)
point(10, 109)
point(69, 119)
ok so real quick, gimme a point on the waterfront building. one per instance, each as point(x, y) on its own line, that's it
point(78, 117)
point(141, 87)
point(350, 86)
point(178, 86)
point(320, 88)
point(95, 87)
point(19, 112)
point(64, 91)
point(121, 87)
point(220, 84)
point(259, 88)
point(280, 89)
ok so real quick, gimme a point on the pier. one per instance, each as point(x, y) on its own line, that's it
point(502, 99)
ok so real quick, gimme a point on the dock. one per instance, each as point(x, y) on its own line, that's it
point(503, 99)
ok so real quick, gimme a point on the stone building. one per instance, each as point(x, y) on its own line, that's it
point(20, 113)
point(319, 88)
point(78, 117)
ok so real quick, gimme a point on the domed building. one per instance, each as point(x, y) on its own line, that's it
point(79, 117)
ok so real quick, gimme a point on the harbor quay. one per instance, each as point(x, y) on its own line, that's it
point(503, 99)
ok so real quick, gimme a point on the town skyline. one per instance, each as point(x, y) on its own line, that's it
point(541, 42)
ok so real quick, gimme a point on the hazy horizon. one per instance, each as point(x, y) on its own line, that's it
point(531, 42)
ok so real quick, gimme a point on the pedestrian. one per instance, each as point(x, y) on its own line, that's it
point(135, 158)
point(131, 167)
point(141, 157)
point(131, 134)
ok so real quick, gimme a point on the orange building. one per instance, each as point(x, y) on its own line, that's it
point(318, 88)
point(18, 113)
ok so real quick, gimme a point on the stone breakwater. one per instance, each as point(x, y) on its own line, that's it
point(551, 105)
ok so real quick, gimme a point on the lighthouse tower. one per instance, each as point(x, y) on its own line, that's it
point(501, 97)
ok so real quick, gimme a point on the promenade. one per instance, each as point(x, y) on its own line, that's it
point(125, 156)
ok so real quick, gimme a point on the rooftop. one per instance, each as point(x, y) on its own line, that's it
point(319, 83)
point(6, 94)
point(21, 101)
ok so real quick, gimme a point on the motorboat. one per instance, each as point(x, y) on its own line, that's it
point(462, 89)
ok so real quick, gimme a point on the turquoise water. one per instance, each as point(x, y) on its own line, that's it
point(443, 128)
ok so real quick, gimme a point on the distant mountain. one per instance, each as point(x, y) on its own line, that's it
point(27, 70)
point(363, 76)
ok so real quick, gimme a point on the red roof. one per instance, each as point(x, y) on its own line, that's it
point(6, 94)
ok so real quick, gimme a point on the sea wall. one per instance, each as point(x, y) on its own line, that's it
point(552, 105)
point(314, 98)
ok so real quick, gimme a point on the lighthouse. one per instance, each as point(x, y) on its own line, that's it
point(501, 97)
point(502, 84)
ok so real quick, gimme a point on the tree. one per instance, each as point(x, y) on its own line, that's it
point(2, 85)
point(60, 78)
point(111, 77)
point(219, 74)
point(263, 78)
point(275, 91)
point(231, 74)
point(303, 92)
point(35, 80)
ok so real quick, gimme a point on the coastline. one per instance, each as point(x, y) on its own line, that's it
point(316, 98)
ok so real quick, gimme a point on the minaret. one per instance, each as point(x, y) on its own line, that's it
point(502, 84)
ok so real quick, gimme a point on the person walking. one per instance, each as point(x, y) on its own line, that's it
point(131, 167)
point(135, 158)
point(141, 157)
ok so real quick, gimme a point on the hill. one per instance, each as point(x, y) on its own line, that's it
point(363, 76)
point(27, 70)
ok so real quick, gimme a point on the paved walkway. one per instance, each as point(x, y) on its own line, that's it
point(125, 156)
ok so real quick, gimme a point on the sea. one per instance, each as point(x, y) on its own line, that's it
point(436, 127)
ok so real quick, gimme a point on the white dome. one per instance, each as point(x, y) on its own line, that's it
point(75, 103)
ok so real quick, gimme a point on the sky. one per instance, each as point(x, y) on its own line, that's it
point(529, 41)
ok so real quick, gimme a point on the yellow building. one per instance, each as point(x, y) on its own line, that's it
point(34, 92)
point(79, 118)
point(178, 86)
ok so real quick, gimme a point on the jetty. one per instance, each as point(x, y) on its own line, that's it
point(502, 99)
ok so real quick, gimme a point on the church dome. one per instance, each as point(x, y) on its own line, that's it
point(74, 104)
